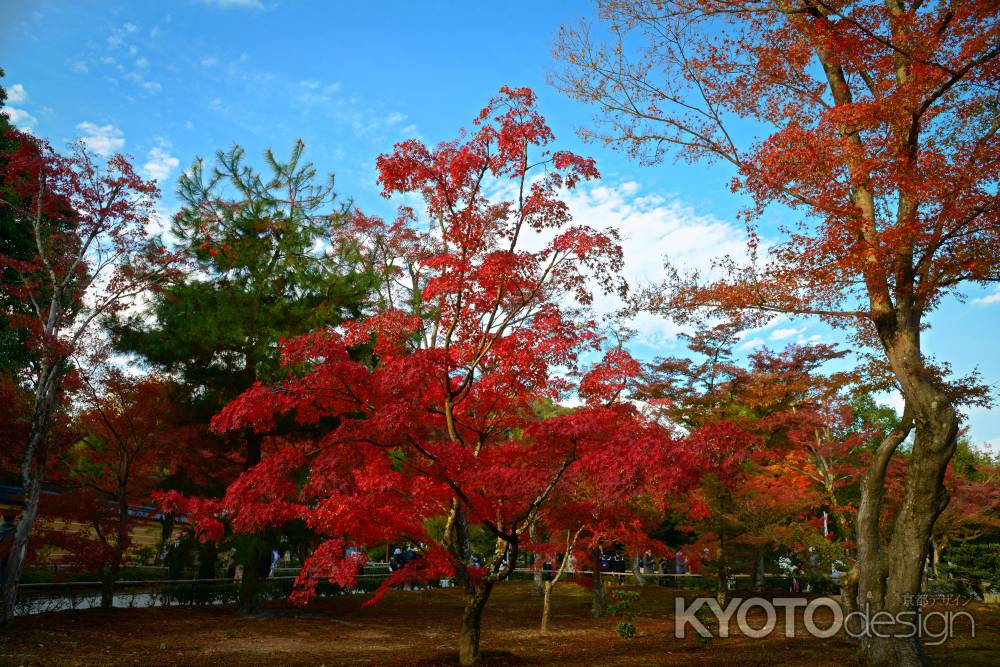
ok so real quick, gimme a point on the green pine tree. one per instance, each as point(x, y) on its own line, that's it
point(268, 261)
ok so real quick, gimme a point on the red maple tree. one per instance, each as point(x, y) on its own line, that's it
point(93, 255)
point(441, 423)
point(132, 432)
point(875, 123)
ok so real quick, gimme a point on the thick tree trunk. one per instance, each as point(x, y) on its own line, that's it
point(207, 559)
point(32, 472)
point(598, 603)
point(108, 579)
point(472, 618)
point(890, 575)
point(249, 599)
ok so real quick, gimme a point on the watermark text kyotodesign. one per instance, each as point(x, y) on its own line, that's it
point(933, 627)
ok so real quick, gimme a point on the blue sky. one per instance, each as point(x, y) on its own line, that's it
point(169, 81)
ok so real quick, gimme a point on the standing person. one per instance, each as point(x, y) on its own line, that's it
point(275, 559)
point(619, 567)
point(647, 563)
point(174, 560)
point(396, 561)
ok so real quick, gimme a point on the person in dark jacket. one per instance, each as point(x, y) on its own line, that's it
point(6, 544)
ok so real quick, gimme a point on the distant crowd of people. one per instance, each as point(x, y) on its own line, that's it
point(613, 562)
point(402, 557)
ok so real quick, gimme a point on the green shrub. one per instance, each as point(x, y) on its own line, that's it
point(625, 629)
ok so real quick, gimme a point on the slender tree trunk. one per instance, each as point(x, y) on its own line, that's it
point(637, 571)
point(758, 575)
point(723, 593)
point(546, 606)
point(249, 598)
point(472, 618)
point(549, 585)
point(537, 588)
point(32, 472)
point(166, 532)
point(110, 575)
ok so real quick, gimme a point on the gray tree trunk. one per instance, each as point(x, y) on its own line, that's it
point(32, 476)
point(890, 575)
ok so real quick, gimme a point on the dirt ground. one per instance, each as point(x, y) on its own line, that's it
point(420, 628)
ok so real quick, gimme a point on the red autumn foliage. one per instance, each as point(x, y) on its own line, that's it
point(132, 433)
point(443, 425)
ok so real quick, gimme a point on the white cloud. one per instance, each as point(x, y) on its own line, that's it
point(20, 118)
point(102, 139)
point(160, 163)
point(142, 63)
point(652, 228)
point(781, 334)
point(989, 299)
point(16, 94)
point(79, 67)
point(751, 344)
point(395, 118)
point(130, 27)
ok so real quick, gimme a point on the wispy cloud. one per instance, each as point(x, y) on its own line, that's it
point(246, 4)
point(315, 93)
point(988, 300)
